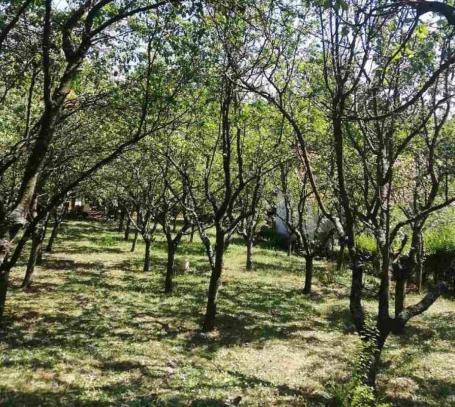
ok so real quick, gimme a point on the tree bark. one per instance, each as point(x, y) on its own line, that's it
point(370, 357)
point(425, 303)
point(340, 260)
point(32, 259)
point(400, 295)
point(308, 274)
point(170, 268)
point(355, 296)
point(4, 277)
point(39, 255)
point(249, 254)
point(121, 222)
point(133, 245)
point(420, 253)
point(126, 236)
point(209, 320)
point(54, 233)
point(147, 256)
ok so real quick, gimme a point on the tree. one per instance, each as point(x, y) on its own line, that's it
point(303, 218)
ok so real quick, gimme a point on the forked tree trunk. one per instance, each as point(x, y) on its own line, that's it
point(147, 256)
point(209, 320)
point(308, 274)
point(193, 229)
point(170, 267)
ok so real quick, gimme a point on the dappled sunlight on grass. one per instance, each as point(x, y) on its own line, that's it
point(96, 330)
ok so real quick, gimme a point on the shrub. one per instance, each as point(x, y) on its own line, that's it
point(366, 243)
point(355, 395)
point(440, 240)
point(363, 396)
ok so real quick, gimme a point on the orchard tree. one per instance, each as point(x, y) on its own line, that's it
point(303, 218)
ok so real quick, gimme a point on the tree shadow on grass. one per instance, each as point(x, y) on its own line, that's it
point(70, 265)
point(440, 390)
point(254, 315)
point(339, 318)
point(437, 326)
point(84, 249)
point(250, 312)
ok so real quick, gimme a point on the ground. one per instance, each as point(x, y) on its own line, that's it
point(94, 330)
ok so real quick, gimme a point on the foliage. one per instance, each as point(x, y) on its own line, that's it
point(440, 239)
point(365, 242)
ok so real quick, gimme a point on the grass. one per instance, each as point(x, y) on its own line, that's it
point(94, 330)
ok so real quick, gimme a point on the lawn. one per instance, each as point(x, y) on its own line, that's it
point(94, 330)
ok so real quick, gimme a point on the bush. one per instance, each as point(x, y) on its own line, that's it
point(440, 240)
point(366, 243)
point(355, 395)
point(363, 396)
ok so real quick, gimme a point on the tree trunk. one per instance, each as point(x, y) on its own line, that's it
point(32, 260)
point(193, 229)
point(39, 254)
point(127, 229)
point(209, 320)
point(170, 268)
point(133, 245)
point(121, 221)
point(409, 272)
point(290, 247)
point(400, 295)
point(340, 260)
point(4, 277)
point(147, 257)
point(308, 274)
point(50, 243)
point(249, 254)
point(419, 263)
point(370, 359)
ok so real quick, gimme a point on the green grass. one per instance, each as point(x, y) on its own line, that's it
point(94, 330)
